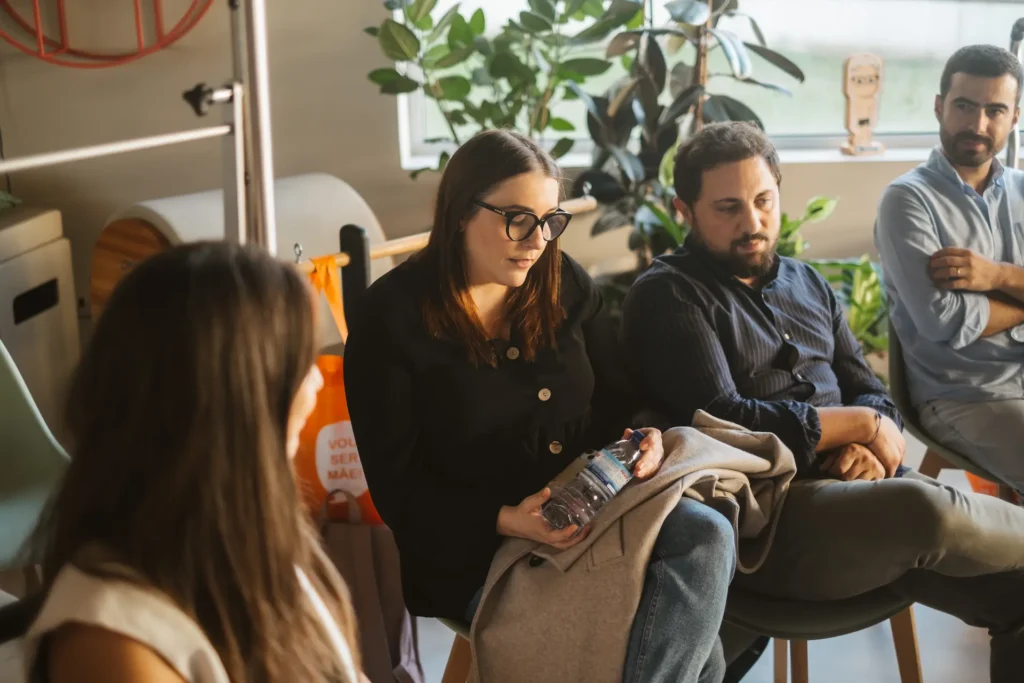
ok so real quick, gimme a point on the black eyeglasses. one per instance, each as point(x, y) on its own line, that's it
point(519, 225)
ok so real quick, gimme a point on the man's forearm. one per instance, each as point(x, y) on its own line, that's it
point(1011, 282)
point(1003, 313)
point(845, 425)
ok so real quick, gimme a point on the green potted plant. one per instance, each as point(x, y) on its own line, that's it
point(635, 189)
point(512, 78)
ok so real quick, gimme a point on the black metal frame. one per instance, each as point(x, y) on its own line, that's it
point(355, 277)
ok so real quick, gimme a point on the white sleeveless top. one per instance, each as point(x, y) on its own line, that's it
point(149, 617)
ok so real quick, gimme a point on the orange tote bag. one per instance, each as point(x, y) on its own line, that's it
point(328, 458)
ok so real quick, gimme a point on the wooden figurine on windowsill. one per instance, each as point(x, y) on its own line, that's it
point(862, 80)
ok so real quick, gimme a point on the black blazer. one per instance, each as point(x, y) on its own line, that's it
point(445, 444)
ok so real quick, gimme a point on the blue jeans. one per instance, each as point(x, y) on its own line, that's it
point(674, 637)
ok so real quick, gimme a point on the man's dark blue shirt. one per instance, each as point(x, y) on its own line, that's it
point(765, 358)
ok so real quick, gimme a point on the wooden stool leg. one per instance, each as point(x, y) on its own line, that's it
point(932, 464)
point(457, 670)
point(904, 637)
point(798, 653)
point(781, 655)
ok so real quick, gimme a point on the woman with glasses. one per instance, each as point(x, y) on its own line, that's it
point(478, 370)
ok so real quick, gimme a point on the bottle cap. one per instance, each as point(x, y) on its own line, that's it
point(636, 437)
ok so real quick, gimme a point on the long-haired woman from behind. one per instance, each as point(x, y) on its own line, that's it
point(176, 548)
point(482, 367)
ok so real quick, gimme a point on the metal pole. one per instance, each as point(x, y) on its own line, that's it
point(236, 200)
point(1017, 48)
point(262, 226)
point(110, 149)
point(237, 205)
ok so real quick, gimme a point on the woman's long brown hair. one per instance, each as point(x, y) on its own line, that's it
point(534, 309)
point(178, 415)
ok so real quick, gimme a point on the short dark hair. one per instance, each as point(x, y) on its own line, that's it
point(986, 61)
point(717, 144)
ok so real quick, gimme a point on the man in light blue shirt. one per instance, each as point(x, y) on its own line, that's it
point(951, 235)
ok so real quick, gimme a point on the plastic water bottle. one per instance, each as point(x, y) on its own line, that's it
point(604, 475)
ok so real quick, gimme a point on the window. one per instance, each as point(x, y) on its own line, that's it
point(914, 38)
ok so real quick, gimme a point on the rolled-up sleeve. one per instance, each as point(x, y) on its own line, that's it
point(906, 236)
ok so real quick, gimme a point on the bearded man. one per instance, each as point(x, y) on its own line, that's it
point(951, 233)
point(726, 325)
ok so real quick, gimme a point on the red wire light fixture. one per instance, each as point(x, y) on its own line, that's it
point(59, 51)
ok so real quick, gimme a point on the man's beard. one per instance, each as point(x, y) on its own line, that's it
point(966, 157)
point(742, 265)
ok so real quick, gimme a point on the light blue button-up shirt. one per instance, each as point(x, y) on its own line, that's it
point(928, 209)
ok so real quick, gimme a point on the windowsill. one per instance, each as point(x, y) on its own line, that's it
point(898, 155)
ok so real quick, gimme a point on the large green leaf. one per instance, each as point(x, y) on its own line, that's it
point(652, 62)
point(508, 66)
point(478, 22)
point(545, 8)
point(561, 125)
point(693, 12)
point(460, 34)
point(382, 76)
point(621, 44)
point(588, 101)
point(662, 217)
point(483, 46)
point(454, 87)
point(455, 57)
point(725, 108)
point(574, 6)
point(397, 41)
point(681, 105)
point(629, 163)
point(561, 148)
point(420, 9)
point(778, 60)
point(617, 14)
point(435, 54)
point(586, 66)
point(391, 82)
point(769, 86)
point(753, 25)
point(820, 208)
point(443, 23)
point(534, 23)
point(424, 24)
point(735, 52)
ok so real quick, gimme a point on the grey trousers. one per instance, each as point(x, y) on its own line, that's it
point(990, 433)
point(961, 553)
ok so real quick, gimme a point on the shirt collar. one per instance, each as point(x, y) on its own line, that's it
point(691, 248)
point(938, 162)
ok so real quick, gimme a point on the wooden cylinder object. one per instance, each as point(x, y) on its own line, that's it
point(121, 245)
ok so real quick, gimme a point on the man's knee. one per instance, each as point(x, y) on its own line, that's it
point(926, 513)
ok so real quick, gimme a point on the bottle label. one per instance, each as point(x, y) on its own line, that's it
point(607, 469)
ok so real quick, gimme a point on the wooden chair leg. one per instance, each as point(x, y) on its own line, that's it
point(798, 653)
point(904, 637)
point(781, 655)
point(932, 464)
point(457, 670)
